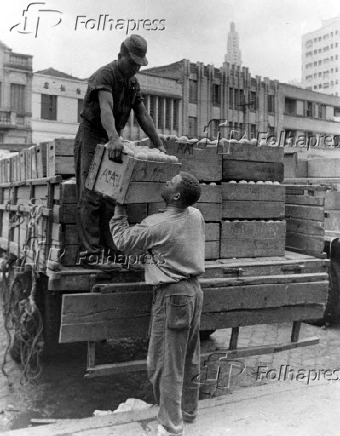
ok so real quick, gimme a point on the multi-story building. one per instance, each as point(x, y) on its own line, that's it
point(58, 99)
point(250, 105)
point(15, 96)
point(321, 58)
point(233, 55)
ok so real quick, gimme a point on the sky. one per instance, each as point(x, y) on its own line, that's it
point(64, 34)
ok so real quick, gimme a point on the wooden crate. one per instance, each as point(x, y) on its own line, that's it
point(34, 168)
point(41, 153)
point(28, 163)
point(60, 157)
point(252, 239)
point(332, 207)
point(251, 163)
point(253, 201)
point(212, 241)
point(324, 167)
point(202, 162)
point(132, 181)
point(305, 217)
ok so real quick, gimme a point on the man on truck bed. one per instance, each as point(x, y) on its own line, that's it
point(112, 92)
point(176, 237)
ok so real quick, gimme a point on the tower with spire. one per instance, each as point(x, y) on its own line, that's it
point(233, 55)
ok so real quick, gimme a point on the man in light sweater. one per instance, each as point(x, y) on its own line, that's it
point(177, 238)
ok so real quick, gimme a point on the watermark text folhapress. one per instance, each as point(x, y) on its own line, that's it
point(287, 373)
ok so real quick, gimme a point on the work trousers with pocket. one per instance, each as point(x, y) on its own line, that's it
point(94, 212)
point(174, 352)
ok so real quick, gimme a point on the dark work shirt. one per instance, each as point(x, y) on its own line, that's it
point(126, 95)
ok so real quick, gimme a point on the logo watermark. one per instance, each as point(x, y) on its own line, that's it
point(287, 373)
point(107, 258)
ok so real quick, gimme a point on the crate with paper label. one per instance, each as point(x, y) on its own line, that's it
point(138, 179)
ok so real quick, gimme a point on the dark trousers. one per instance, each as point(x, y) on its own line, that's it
point(174, 352)
point(94, 212)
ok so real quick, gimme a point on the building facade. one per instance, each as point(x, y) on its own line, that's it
point(249, 105)
point(321, 58)
point(15, 96)
point(57, 100)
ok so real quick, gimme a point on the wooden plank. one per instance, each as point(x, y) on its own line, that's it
point(324, 167)
point(253, 192)
point(210, 211)
point(332, 201)
point(60, 165)
point(210, 193)
point(313, 213)
point(252, 210)
point(307, 227)
point(248, 152)
point(301, 241)
point(253, 229)
point(34, 172)
point(252, 171)
point(212, 231)
point(141, 365)
point(95, 166)
point(212, 250)
point(28, 163)
point(118, 327)
point(231, 248)
point(305, 200)
point(211, 321)
point(41, 152)
point(204, 163)
point(62, 147)
point(65, 214)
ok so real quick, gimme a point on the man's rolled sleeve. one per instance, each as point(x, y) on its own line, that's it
point(136, 239)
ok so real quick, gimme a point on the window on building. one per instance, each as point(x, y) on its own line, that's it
point(168, 113)
point(308, 109)
point(160, 113)
point(231, 97)
point(80, 108)
point(49, 107)
point(18, 98)
point(216, 94)
point(175, 120)
point(153, 107)
point(193, 91)
point(337, 111)
point(252, 131)
point(253, 100)
point(270, 103)
point(322, 111)
point(192, 126)
point(290, 106)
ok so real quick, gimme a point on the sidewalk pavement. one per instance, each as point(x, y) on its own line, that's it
point(276, 409)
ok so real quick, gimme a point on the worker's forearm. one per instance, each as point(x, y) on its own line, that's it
point(108, 122)
point(148, 127)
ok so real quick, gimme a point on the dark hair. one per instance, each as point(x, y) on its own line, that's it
point(189, 189)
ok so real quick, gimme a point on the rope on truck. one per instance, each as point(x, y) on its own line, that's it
point(22, 318)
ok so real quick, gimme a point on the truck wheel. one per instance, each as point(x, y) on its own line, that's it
point(205, 334)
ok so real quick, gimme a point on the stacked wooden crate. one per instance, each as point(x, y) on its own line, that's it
point(252, 202)
point(305, 219)
point(206, 165)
